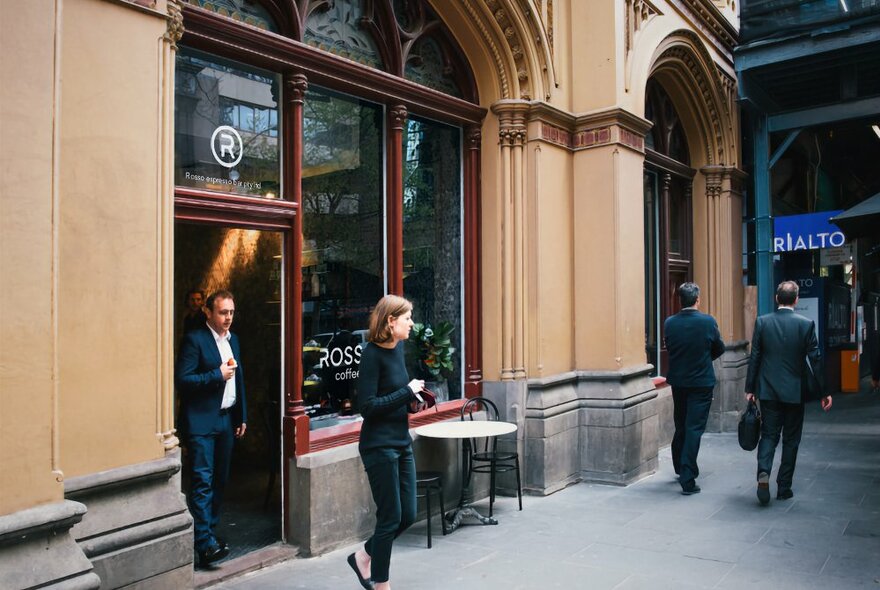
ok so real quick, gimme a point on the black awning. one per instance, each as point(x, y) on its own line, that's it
point(862, 220)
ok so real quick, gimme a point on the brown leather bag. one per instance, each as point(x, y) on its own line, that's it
point(426, 396)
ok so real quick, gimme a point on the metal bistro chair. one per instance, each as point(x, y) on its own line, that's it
point(427, 483)
point(486, 458)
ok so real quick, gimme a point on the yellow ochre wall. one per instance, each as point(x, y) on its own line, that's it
point(28, 94)
point(109, 291)
point(80, 248)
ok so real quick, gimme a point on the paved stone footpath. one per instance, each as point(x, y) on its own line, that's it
point(647, 535)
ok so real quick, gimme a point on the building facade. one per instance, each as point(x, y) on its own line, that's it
point(537, 176)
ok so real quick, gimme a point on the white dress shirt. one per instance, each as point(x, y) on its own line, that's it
point(225, 354)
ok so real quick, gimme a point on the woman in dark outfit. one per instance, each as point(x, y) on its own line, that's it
point(385, 393)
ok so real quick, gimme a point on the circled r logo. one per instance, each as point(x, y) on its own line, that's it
point(229, 143)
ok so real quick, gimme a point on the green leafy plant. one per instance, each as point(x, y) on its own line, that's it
point(432, 350)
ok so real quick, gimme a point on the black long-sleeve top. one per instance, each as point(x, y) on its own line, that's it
point(383, 397)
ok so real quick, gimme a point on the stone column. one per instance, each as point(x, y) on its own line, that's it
point(725, 301)
point(512, 136)
point(165, 397)
point(598, 422)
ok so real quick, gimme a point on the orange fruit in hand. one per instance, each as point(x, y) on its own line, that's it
point(231, 362)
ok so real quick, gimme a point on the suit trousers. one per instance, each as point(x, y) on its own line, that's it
point(690, 413)
point(392, 475)
point(789, 420)
point(210, 455)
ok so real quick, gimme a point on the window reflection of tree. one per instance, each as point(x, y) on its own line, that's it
point(432, 227)
point(342, 196)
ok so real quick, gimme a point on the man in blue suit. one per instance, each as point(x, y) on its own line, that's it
point(209, 378)
point(782, 345)
point(693, 341)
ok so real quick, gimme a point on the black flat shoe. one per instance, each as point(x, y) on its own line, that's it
point(690, 490)
point(211, 554)
point(784, 495)
point(368, 584)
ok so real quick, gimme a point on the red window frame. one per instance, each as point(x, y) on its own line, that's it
point(299, 66)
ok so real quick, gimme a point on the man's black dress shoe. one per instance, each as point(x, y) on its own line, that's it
point(764, 488)
point(690, 490)
point(367, 584)
point(222, 542)
point(213, 553)
point(784, 495)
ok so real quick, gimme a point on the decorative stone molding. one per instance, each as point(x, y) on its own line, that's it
point(37, 550)
point(175, 23)
point(519, 42)
point(587, 130)
point(133, 511)
point(637, 15)
point(688, 52)
point(707, 17)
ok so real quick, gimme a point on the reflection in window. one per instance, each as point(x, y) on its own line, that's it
point(226, 127)
point(343, 255)
point(427, 66)
point(432, 244)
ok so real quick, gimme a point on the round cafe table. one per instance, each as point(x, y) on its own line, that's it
point(465, 430)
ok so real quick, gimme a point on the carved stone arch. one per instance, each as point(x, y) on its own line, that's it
point(689, 74)
point(517, 40)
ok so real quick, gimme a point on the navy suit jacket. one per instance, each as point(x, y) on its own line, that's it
point(693, 341)
point(201, 385)
point(782, 342)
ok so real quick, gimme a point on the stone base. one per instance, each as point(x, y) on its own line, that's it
point(331, 503)
point(665, 416)
point(589, 425)
point(730, 399)
point(137, 532)
point(37, 550)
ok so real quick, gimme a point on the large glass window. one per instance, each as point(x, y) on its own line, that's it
point(226, 127)
point(432, 250)
point(346, 207)
point(343, 245)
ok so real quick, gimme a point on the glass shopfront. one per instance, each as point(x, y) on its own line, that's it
point(226, 127)
point(363, 177)
point(343, 246)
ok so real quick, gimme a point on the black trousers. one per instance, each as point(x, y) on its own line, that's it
point(392, 475)
point(789, 420)
point(690, 413)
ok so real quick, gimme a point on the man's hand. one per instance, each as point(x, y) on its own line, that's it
point(826, 403)
point(750, 397)
point(227, 371)
point(875, 383)
point(239, 432)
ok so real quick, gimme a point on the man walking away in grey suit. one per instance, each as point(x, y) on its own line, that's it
point(782, 344)
point(693, 341)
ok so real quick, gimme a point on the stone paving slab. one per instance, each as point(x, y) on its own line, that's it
point(648, 536)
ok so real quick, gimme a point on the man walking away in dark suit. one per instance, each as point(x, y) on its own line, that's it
point(693, 342)
point(782, 345)
point(209, 376)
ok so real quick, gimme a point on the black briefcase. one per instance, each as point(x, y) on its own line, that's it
point(749, 429)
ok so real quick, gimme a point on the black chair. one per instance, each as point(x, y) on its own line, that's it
point(486, 458)
point(427, 483)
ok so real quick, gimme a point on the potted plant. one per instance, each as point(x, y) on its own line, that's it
point(430, 355)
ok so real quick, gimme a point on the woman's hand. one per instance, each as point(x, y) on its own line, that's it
point(416, 385)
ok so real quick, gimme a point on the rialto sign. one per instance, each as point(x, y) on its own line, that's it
point(811, 231)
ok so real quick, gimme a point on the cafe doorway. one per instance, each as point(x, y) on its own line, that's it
point(248, 263)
